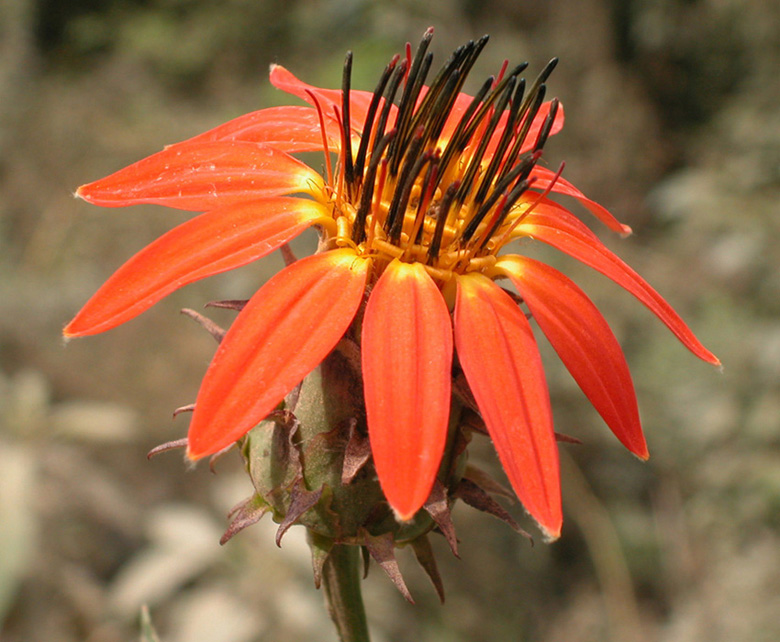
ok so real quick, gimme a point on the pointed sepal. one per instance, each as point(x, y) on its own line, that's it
point(217, 332)
point(245, 514)
point(320, 547)
point(382, 549)
point(301, 500)
point(478, 498)
point(425, 557)
point(438, 507)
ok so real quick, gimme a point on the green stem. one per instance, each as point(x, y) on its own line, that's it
point(341, 581)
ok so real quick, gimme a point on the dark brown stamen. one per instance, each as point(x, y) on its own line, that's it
point(528, 111)
point(358, 228)
point(411, 159)
point(441, 109)
point(476, 161)
point(545, 73)
point(442, 212)
point(346, 80)
point(518, 173)
point(421, 64)
point(503, 143)
point(506, 207)
point(419, 80)
point(370, 115)
point(544, 132)
point(429, 186)
point(463, 136)
point(471, 58)
point(395, 82)
point(413, 165)
point(453, 88)
point(438, 85)
point(454, 143)
point(490, 173)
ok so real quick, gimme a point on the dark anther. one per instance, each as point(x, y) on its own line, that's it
point(429, 186)
point(441, 109)
point(412, 167)
point(459, 65)
point(463, 135)
point(370, 115)
point(518, 173)
point(548, 69)
point(358, 229)
point(346, 80)
point(528, 111)
point(503, 143)
point(487, 105)
point(511, 199)
point(437, 86)
point(441, 220)
point(419, 70)
point(547, 126)
point(454, 146)
point(408, 122)
point(395, 81)
point(476, 161)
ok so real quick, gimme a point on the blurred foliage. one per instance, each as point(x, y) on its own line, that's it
point(672, 123)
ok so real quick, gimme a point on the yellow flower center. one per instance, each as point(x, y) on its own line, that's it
point(435, 177)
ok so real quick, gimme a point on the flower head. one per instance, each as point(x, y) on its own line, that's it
point(429, 186)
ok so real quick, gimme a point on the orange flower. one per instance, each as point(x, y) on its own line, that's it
point(429, 186)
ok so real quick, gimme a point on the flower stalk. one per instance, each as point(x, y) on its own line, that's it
point(341, 581)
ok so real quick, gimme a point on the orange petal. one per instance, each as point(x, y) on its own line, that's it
point(542, 179)
point(501, 362)
point(202, 176)
point(359, 101)
point(584, 342)
point(289, 129)
point(215, 242)
point(555, 226)
point(285, 330)
point(407, 362)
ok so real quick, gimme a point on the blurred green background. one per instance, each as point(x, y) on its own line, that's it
point(672, 123)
